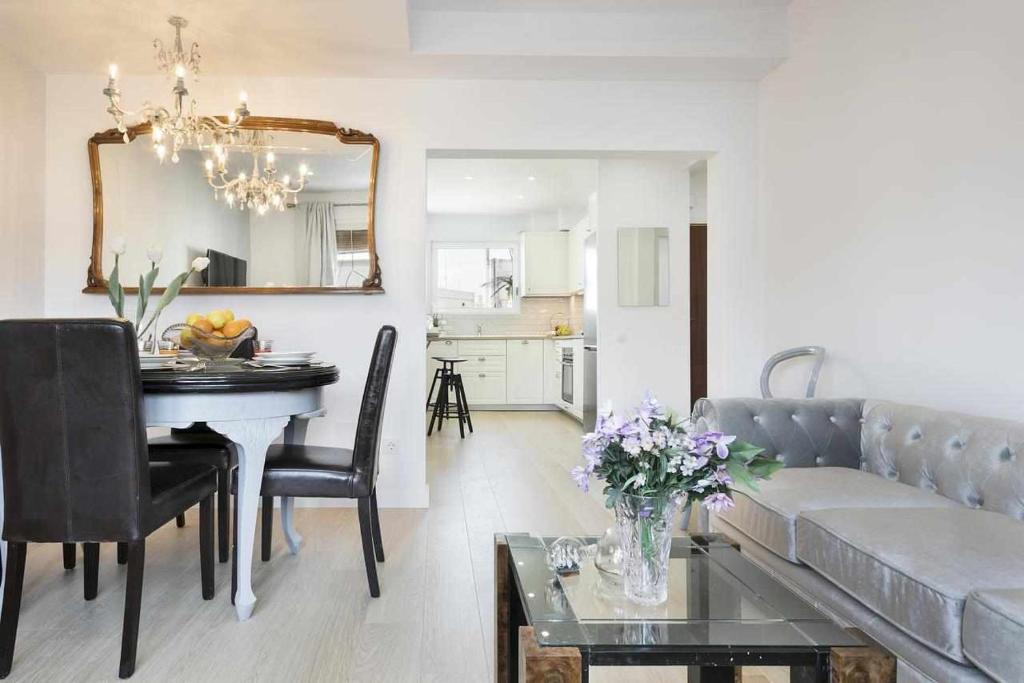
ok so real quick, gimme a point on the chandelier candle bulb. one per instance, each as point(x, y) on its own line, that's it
point(112, 70)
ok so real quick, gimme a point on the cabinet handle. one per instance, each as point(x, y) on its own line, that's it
point(481, 375)
point(526, 341)
point(448, 343)
point(482, 359)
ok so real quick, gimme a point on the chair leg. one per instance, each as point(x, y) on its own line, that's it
point(465, 404)
point(206, 545)
point(70, 551)
point(368, 554)
point(92, 569)
point(122, 553)
point(224, 514)
point(132, 607)
point(378, 545)
point(436, 416)
point(460, 412)
point(180, 520)
point(234, 551)
point(433, 385)
point(12, 604)
point(266, 527)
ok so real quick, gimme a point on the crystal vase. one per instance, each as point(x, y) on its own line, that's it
point(645, 533)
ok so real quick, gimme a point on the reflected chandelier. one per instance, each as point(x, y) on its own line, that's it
point(180, 125)
point(261, 190)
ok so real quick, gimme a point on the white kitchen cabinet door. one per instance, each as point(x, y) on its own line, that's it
point(439, 347)
point(484, 388)
point(544, 259)
point(577, 378)
point(552, 373)
point(524, 374)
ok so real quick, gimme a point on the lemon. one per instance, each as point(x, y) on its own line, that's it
point(218, 319)
point(193, 318)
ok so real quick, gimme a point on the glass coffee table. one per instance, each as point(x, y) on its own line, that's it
point(723, 612)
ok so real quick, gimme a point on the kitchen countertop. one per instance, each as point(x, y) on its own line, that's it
point(457, 337)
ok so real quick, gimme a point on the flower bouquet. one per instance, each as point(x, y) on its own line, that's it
point(651, 462)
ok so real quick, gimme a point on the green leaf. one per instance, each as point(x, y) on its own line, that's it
point(741, 474)
point(114, 289)
point(613, 496)
point(145, 289)
point(744, 451)
point(170, 292)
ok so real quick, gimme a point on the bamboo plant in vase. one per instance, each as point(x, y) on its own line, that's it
point(115, 291)
point(652, 464)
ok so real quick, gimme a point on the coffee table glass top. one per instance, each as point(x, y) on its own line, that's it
point(717, 598)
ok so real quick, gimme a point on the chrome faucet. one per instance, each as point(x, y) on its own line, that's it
point(479, 330)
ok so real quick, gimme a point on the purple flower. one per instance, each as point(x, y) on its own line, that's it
point(582, 477)
point(719, 502)
point(722, 477)
point(650, 409)
point(722, 446)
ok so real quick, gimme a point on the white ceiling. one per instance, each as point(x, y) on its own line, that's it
point(504, 186)
point(545, 39)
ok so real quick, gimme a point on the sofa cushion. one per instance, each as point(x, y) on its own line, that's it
point(769, 515)
point(994, 631)
point(915, 567)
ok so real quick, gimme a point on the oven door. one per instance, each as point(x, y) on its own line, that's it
point(567, 378)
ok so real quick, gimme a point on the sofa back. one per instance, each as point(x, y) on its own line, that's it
point(812, 432)
point(976, 461)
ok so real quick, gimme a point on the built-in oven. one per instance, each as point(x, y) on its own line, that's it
point(567, 374)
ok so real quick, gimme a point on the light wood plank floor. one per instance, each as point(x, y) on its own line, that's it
point(315, 620)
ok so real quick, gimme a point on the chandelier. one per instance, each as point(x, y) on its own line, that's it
point(180, 125)
point(260, 190)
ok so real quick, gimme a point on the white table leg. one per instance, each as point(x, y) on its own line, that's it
point(251, 439)
point(295, 432)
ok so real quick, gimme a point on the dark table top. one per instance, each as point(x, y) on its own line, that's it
point(224, 378)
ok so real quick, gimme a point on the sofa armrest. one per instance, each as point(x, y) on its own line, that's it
point(813, 432)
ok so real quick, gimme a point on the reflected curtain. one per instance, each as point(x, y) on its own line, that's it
point(318, 251)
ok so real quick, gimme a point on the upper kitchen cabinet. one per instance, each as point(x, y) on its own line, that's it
point(544, 260)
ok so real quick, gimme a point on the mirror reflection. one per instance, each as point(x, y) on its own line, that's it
point(304, 222)
point(643, 267)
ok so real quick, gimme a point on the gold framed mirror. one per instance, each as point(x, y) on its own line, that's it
point(317, 240)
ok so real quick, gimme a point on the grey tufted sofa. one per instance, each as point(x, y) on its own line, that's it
point(903, 521)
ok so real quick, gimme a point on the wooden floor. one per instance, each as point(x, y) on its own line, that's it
point(315, 620)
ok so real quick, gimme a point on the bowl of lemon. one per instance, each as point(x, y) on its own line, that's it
point(213, 336)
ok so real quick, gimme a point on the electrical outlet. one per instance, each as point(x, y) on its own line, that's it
point(390, 446)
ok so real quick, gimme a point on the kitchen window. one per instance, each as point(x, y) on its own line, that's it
point(479, 277)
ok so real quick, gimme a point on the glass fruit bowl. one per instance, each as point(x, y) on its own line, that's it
point(207, 345)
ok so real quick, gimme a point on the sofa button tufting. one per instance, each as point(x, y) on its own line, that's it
point(818, 460)
point(793, 416)
point(757, 418)
point(915, 436)
point(832, 419)
point(1007, 455)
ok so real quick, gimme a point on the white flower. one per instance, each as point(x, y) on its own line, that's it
point(119, 245)
point(155, 254)
point(640, 480)
point(200, 263)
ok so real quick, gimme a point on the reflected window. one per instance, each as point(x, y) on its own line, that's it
point(475, 276)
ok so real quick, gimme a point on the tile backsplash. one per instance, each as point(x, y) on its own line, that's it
point(537, 315)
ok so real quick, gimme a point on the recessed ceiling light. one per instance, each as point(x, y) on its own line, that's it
point(531, 178)
point(519, 196)
point(469, 177)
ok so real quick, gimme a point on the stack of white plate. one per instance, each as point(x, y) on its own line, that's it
point(285, 358)
point(147, 362)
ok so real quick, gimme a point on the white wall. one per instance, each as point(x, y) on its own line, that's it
point(22, 121)
point(699, 192)
point(891, 199)
point(643, 348)
point(411, 117)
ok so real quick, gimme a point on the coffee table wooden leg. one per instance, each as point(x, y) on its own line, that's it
point(869, 664)
point(547, 664)
point(502, 616)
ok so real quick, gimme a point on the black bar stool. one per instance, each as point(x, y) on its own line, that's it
point(449, 384)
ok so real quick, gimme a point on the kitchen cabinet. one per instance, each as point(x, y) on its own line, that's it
point(544, 258)
point(439, 347)
point(577, 237)
point(552, 373)
point(524, 374)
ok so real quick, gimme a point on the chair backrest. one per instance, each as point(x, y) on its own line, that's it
point(371, 412)
point(72, 431)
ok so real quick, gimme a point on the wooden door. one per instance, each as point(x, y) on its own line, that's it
point(698, 311)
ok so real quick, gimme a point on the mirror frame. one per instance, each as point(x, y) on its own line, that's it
point(97, 284)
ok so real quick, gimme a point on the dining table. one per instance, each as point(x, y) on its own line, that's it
point(250, 406)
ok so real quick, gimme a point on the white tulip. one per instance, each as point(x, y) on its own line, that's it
point(119, 245)
point(155, 254)
point(200, 263)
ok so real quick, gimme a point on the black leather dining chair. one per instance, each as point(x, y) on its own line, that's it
point(76, 464)
point(300, 471)
point(199, 444)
